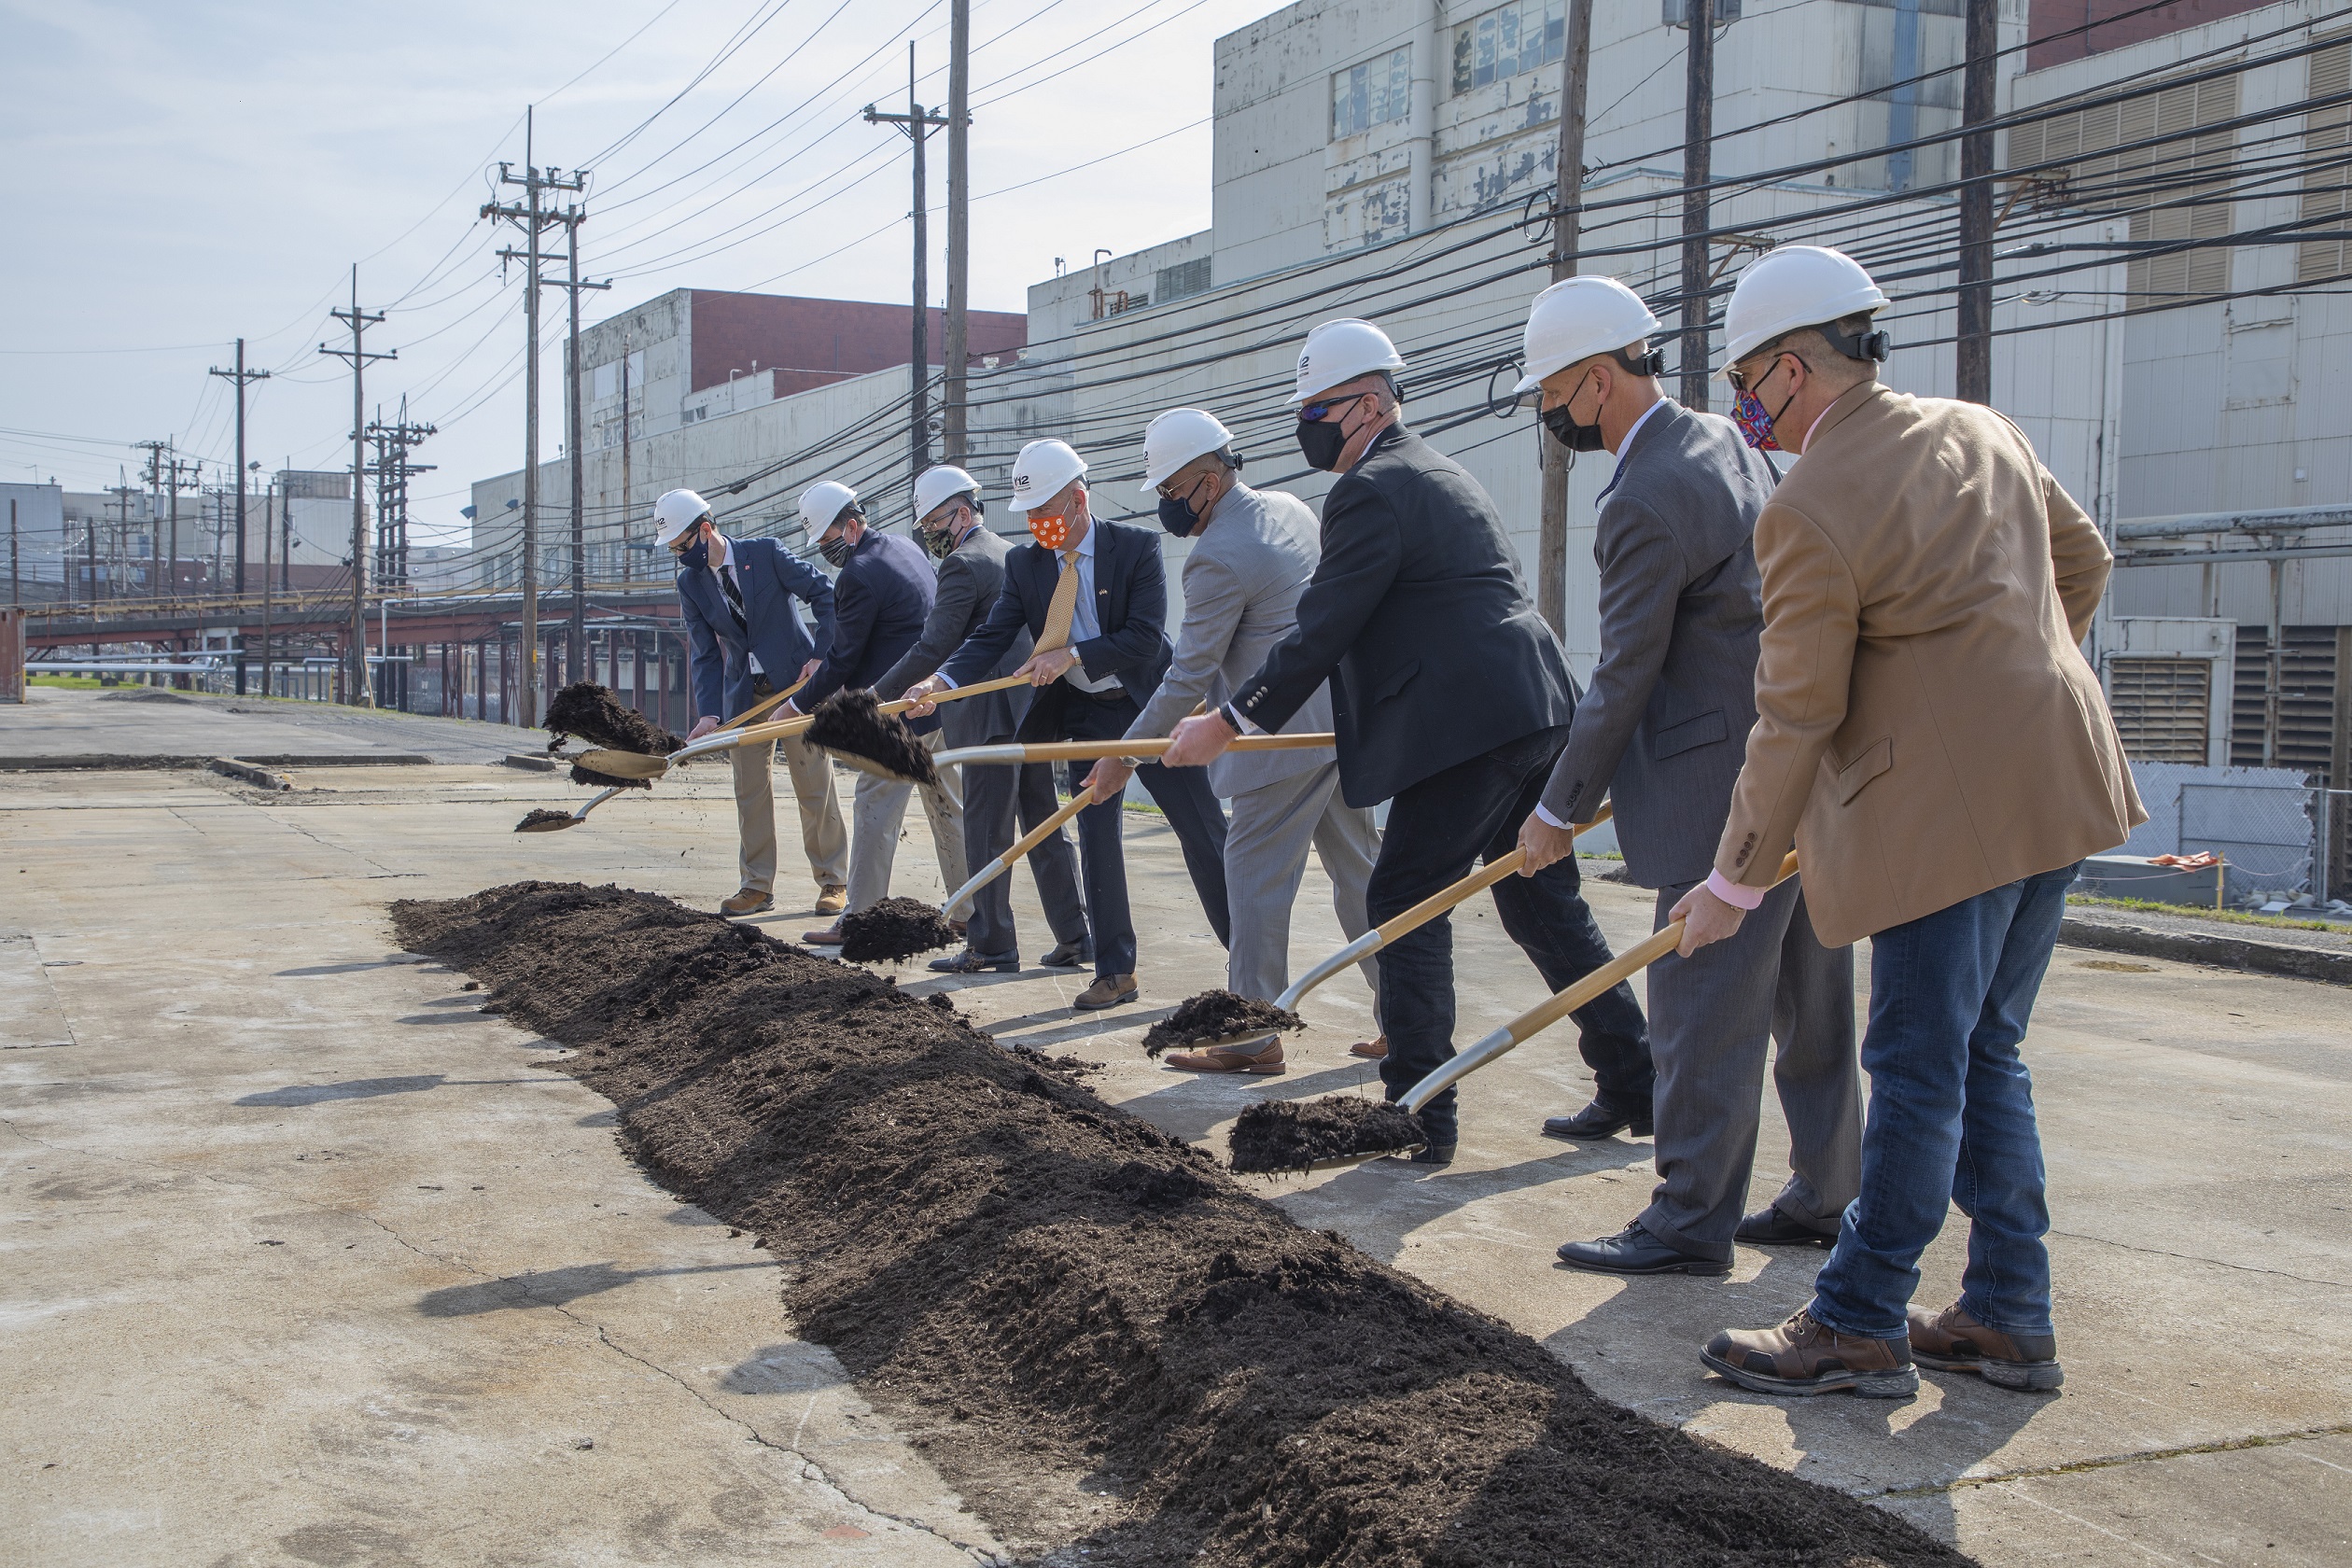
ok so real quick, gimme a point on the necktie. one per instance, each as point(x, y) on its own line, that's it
point(1062, 608)
point(735, 603)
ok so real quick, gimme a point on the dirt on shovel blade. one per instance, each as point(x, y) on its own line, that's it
point(1116, 1352)
point(540, 817)
point(581, 773)
point(1214, 1015)
point(852, 721)
point(1278, 1135)
point(897, 928)
point(597, 717)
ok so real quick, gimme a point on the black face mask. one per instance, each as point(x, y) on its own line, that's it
point(1564, 429)
point(1320, 441)
point(1177, 516)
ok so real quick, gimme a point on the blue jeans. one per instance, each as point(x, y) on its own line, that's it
point(1952, 1115)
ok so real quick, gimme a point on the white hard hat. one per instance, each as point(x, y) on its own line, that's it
point(1175, 439)
point(1576, 319)
point(675, 513)
point(1791, 286)
point(822, 502)
point(1339, 351)
point(936, 486)
point(1042, 471)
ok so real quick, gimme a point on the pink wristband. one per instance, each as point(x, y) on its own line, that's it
point(1733, 893)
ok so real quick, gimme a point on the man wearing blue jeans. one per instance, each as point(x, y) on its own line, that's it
point(1931, 737)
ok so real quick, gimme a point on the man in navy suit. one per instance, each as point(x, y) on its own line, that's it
point(747, 641)
point(881, 601)
point(1094, 595)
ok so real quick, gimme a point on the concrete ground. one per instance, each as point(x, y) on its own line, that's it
point(311, 1263)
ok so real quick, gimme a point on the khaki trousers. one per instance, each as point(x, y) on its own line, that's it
point(879, 808)
point(824, 836)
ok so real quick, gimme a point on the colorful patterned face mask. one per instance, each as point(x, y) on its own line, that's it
point(1755, 423)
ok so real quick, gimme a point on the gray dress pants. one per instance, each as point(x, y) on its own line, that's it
point(994, 796)
point(1710, 1018)
point(878, 810)
point(1266, 838)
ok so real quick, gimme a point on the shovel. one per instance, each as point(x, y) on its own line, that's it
point(635, 764)
point(1095, 750)
point(1525, 1026)
point(1374, 940)
point(542, 821)
point(961, 898)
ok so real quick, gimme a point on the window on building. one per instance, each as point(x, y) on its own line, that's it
point(2328, 149)
point(2105, 168)
point(1372, 93)
point(1502, 43)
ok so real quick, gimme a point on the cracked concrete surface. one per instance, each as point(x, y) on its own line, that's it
point(229, 1054)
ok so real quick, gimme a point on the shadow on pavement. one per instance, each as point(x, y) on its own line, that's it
point(553, 1287)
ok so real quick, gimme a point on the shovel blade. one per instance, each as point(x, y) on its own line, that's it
point(623, 765)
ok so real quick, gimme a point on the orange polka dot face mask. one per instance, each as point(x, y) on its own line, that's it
point(1050, 529)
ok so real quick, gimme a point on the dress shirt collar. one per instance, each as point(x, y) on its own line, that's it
point(722, 552)
point(1625, 447)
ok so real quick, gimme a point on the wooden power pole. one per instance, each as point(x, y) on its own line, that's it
point(357, 693)
point(954, 437)
point(1975, 378)
point(1551, 588)
point(1698, 171)
point(918, 124)
point(241, 378)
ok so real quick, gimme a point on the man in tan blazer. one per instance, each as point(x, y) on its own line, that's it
point(1931, 738)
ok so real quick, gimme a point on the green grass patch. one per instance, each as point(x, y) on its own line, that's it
point(69, 682)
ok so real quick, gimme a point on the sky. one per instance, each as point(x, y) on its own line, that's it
point(182, 173)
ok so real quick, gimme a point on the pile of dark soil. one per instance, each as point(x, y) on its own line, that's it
point(597, 717)
point(1041, 1289)
point(536, 818)
point(1214, 1015)
point(143, 693)
point(852, 723)
point(581, 773)
point(894, 928)
point(1279, 1135)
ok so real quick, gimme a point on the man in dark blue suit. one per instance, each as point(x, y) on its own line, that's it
point(747, 641)
point(1451, 700)
point(881, 600)
point(1094, 595)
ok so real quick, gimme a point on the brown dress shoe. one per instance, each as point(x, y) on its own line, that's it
point(829, 937)
point(1952, 1341)
point(1267, 1059)
point(832, 900)
point(1371, 1050)
point(1108, 990)
point(751, 900)
point(1803, 1357)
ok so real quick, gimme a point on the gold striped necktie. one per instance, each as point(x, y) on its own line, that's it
point(1062, 608)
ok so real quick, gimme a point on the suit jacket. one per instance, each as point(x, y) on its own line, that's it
point(1927, 728)
point(1418, 606)
point(770, 581)
point(1660, 726)
point(881, 601)
point(1242, 582)
point(1131, 607)
point(969, 580)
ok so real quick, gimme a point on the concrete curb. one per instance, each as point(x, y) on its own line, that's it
point(247, 773)
point(2221, 952)
point(531, 759)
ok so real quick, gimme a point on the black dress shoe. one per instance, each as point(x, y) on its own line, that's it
point(1598, 1120)
point(1636, 1251)
point(1771, 1227)
point(969, 962)
point(1070, 955)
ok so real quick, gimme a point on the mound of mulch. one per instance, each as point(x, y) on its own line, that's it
point(1043, 1290)
point(1279, 1135)
point(852, 723)
point(597, 717)
point(894, 928)
point(540, 817)
point(1214, 1015)
point(582, 774)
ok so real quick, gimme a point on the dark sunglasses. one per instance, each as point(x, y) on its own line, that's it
point(1315, 414)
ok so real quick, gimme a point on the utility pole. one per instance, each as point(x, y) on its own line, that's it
point(123, 494)
point(576, 630)
point(1551, 587)
point(241, 378)
point(269, 520)
point(918, 124)
point(1975, 356)
point(392, 470)
point(355, 693)
point(154, 476)
point(628, 558)
point(533, 220)
point(1698, 170)
point(954, 435)
point(14, 592)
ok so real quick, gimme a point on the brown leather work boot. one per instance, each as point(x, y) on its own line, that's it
point(1108, 990)
point(751, 900)
point(1952, 1341)
point(1371, 1050)
point(1266, 1059)
point(1803, 1357)
point(832, 900)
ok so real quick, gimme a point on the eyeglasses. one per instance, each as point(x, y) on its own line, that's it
point(1738, 378)
point(1179, 486)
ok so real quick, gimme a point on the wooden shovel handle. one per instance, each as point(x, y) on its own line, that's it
point(1094, 750)
point(1485, 876)
point(764, 704)
point(1052, 825)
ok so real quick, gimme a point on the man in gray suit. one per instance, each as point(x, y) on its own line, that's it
point(1253, 553)
point(971, 573)
point(1660, 730)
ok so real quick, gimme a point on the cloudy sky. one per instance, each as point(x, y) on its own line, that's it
point(180, 173)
